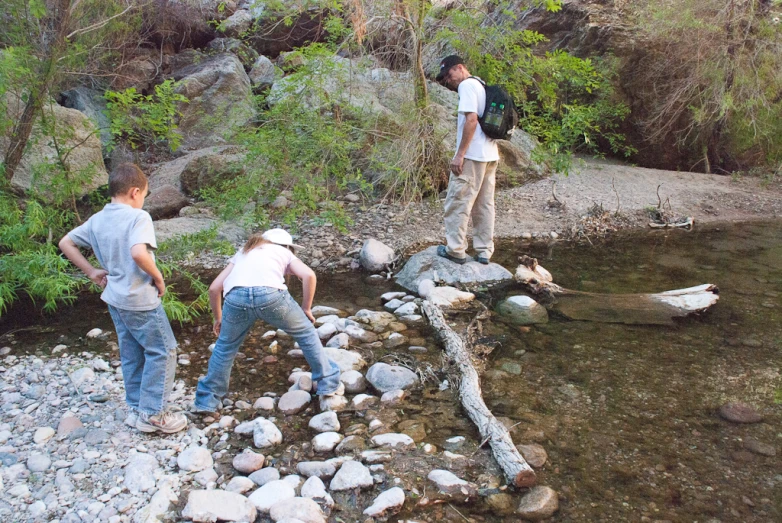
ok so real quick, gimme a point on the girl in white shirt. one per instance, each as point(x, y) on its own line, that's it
point(253, 287)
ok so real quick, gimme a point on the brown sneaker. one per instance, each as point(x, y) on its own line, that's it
point(167, 422)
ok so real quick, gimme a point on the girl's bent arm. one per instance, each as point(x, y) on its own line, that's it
point(216, 296)
point(308, 282)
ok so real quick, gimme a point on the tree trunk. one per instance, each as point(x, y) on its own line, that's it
point(39, 92)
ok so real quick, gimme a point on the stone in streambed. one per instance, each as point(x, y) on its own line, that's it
point(302, 509)
point(386, 377)
point(387, 503)
point(740, 413)
point(325, 422)
point(218, 505)
point(350, 476)
point(248, 461)
point(270, 494)
point(539, 503)
point(522, 310)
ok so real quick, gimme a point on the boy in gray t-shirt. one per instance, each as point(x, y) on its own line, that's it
point(123, 240)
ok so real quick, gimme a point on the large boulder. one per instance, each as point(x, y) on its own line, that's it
point(423, 266)
point(199, 169)
point(176, 227)
point(246, 54)
point(220, 100)
point(385, 377)
point(375, 255)
point(75, 132)
point(93, 105)
point(264, 73)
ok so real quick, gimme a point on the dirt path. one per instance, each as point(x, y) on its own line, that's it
point(526, 209)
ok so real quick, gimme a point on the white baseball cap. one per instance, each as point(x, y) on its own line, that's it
point(280, 237)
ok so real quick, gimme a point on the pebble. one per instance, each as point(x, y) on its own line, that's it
point(321, 469)
point(266, 434)
point(94, 333)
point(264, 476)
point(539, 503)
point(740, 413)
point(38, 462)
point(392, 397)
point(42, 435)
point(387, 503)
point(270, 494)
point(758, 447)
point(297, 509)
point(264, 403)
point(393, 441)
point(214, 505)
point(195, 459)
point(248, 461)
point(326, 441)
point(351, 475)
point(314, 489)
point(240, 484)
point(534, 454)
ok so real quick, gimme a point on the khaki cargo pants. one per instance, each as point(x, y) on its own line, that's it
point(471, 195)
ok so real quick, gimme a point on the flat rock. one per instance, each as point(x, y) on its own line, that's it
point(758, 447)
point(314, 489)
point(38, 462)
point(323, 310)
point(67, 425)
point(360, 335)
point(351, 475)
point(195, 459)
point(338, 341)
point(539, 503)
point(294, 402)
point(385, 378)
point(534, 454)
point(270, 494)
point(302, 509)
point(345, 359)
point(392, 296)
point(425, 264)
point(387, 503)
point(264, 476)
point(393, 441)
point(364, 401)
point(248, 461)
point(452, 486)
point(222, 505)
point(205, 477)
point(740, 413)
point(321, 469)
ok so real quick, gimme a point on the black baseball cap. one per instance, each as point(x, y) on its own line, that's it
point(446, 64)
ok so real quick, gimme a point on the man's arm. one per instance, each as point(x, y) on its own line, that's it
point(470, 123)
point(72, 252)
point(146, 263)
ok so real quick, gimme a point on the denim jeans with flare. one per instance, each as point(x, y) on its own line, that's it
point(241, 308)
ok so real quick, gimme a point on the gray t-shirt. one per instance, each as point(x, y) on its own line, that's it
point(111, 233)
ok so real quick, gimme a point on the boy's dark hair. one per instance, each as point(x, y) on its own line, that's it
point(125, 177)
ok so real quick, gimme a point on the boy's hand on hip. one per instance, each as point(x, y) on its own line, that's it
point(99, 277)
point(161, 287)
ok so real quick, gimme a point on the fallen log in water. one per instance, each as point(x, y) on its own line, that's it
point(516, 469)
point(656, 308)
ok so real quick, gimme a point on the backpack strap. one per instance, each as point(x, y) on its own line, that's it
point(479, 80)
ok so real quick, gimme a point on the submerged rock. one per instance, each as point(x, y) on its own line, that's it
point(740, 413)
point(386, 377)
point(522, 310)
point(425, 264)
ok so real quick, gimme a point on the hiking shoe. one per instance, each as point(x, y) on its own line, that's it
point(167, 422)
point(207, 416)
point(132, 418)
point(482, 260)
point(443, 253)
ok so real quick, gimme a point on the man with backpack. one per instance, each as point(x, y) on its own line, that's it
point(473, 168)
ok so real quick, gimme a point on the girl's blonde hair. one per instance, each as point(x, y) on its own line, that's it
point(256, 240)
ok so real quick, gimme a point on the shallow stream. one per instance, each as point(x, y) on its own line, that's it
point(626, 413)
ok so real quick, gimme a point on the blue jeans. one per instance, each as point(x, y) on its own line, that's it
point(147, 349)
point(242, 307)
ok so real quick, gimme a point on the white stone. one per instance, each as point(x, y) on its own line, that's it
point(443, 297)
point(270, 494)
point(326, 441)
point(266, 434)
point(539, 503)
point(268, 335)
point(375, 255)
point(43, 434)
point(326, 331)
point(205, 477)
point(392, 397)
point(325, 422)
point(19, 491)
point(81, 376)
point(94, 333)
point(314, 489)
point(195, 459)
point(333, 403)
point(38, 462)
point(264, 403)
point(139, 472)
point(393, 441)
point(386, 377)
point(303, 509)
point(159, 504)
point(339, 341)
point(265, 475)
point(294, 480)
point(323, 320)
point(351, 475)
point(214, 505)
point(388, 502)
point(323, 310)
point(393, 305)
point(522, 310)
point(407, 309)
point(240, 484)
point(354, 381)
point(360, 335)
point(392, 296)
point(321, 469)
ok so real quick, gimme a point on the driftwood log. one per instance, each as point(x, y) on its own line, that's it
point(653, 308)
point(516, 469)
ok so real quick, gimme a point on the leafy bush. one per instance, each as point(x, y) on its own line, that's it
point(146, 119)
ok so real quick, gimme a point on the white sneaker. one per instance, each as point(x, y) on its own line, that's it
point(167, 422)
point(339, 392)
point(132, 418)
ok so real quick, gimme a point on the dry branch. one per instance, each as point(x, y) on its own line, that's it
point(508, 457)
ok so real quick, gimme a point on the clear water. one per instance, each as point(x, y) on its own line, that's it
point(626, 413)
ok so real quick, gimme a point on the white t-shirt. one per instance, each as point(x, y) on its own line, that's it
point(264, 266)
point(472, 99)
